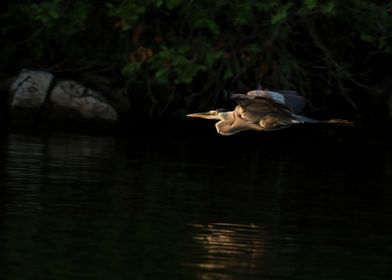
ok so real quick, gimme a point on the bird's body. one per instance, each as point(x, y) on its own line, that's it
point(261, 110)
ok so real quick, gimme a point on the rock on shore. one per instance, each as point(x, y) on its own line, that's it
point(38, 96)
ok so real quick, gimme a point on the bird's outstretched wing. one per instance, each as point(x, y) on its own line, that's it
point(256, 109)
point(290, 98)
point(260, 104)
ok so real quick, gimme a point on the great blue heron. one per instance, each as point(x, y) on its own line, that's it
point(261, 110)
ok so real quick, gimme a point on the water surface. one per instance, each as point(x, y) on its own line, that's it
point(187, 207)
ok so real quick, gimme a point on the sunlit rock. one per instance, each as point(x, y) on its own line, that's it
point(28, 94)
point(71, 101)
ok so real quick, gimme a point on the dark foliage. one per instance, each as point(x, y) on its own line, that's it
point(171, 56)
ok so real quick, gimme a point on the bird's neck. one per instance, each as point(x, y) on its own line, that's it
point(224, 126)
point(227, 117)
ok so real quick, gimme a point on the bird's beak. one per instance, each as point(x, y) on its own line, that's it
point(196, 115)
point(204, 115)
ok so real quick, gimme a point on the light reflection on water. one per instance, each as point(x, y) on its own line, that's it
point(84, 207)
point(229, 247)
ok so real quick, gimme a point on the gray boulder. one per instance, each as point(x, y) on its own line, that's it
point(71, 101)
point(28, 94)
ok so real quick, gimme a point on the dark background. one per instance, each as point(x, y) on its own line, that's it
point(159, 59)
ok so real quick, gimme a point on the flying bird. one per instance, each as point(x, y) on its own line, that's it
point(262, 110)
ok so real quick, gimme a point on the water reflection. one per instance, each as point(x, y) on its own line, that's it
point(227, 248)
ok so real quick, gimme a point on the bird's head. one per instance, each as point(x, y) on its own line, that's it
point(217, 114)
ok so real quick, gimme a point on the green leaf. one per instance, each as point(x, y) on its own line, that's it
point(207, 24)
point(130, 69)
point(310, 4)
point(243, 13)
point(172, 4)
point(162, 75)
point(179, 60)
point(328, 8)
point(367, 37)
point(212, 57)
point(228, 73)
point(188, 71)
point(109, 5)
point(158, 3)
point(254, 48)
point(281, 15)
point(382, 43)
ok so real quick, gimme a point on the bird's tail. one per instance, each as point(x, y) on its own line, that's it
point(303, 119)
point(339, 122)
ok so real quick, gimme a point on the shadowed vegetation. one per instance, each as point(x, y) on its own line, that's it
point(168, 57)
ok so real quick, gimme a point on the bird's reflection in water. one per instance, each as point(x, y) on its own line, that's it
point(228, 249)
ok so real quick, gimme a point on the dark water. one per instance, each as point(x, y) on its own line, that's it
point(183, 207)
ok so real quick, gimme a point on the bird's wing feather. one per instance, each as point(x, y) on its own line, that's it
point(290, 98)
point(259, 103)
point(276, 96)
point(287, 92)
point(255, 108)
